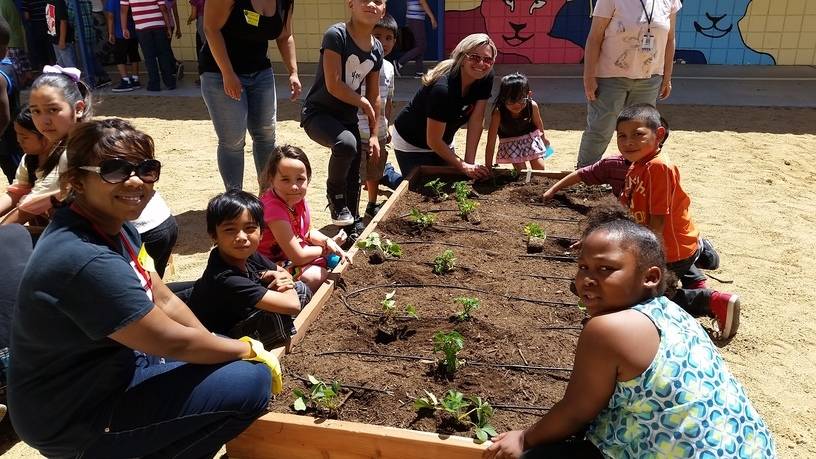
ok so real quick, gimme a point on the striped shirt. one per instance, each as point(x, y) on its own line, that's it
point(610, 171)
point(146, 13)
point(413, 10)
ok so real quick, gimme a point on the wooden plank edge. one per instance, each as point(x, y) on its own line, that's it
point(301, 437)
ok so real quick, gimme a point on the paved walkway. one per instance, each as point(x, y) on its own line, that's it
point(722, 85)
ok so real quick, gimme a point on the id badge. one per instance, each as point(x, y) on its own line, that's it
point(647, 42)
point(252, 18)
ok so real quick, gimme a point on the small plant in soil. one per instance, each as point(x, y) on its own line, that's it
point(470, 411)
point(436, 186)
point(449, 344)
point(422, 219)
point(469, 304)
point(466, 207)
point(444, 263)
point(461, 190)
point(535, 237)
point(321, 397)
point(378, 249)
point(389, 330)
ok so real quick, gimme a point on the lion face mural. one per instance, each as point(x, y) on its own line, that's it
point(522, 27)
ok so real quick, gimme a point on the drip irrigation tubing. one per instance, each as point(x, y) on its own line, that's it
point(465, 228)
point(469, 289)
point(509, 366)
point(521, 407)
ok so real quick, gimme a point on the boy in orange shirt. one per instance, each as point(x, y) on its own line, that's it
point(653, 195)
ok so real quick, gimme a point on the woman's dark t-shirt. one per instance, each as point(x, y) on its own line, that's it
point(246, 37)
point(442, 101)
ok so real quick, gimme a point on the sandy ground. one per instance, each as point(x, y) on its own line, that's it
point(752, 179)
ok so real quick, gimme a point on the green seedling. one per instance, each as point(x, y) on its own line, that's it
point(389, 306)
point(449, 344)
point(444, 263)
point(320, 397)
point(373, 243)
point(436, 187)
point(469, 305)
point(422, 219)
point(534, 230)
point(471, 411)
point(461, 190)
point(466, 207)
point(483, 412)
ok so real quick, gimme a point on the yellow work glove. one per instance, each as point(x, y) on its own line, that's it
point(259, 354)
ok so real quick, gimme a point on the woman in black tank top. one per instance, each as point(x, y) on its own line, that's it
point(237, 82)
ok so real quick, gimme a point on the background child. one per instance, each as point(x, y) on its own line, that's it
point(517, 122)
point(10, 153)
point(242, 293)
point(290, 237)
point(638, 394)
point(609, 170)
point(153, 30)
point(416, 11)
point(349, 56)
point(61, 32)
point(371, 170)
point(36, 148)
point(655, 198)
point(125, 50)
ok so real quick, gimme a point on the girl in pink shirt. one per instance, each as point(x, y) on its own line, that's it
point(289, 237)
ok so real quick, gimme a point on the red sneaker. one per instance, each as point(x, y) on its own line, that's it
point(726, 309)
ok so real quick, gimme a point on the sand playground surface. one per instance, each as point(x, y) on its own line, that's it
point(751, 176)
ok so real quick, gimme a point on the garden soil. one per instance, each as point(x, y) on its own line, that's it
point(751, 176)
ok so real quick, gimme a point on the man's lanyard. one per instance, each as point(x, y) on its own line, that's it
point(148, 287)
point(649, 15)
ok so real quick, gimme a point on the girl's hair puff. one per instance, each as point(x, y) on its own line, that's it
point(281, 152)
point(229, 205)
point(92, 142)
point(513, 87)
point(618, 224)
point(454, 63)
point(25, 120)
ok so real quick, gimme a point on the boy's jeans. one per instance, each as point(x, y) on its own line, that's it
point(614, 94)
point(156, 46)
point(254, 112)
point(181, 410)
point(65, 57)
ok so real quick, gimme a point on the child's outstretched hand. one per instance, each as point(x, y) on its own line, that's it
point(508, 445)
point(333, 247)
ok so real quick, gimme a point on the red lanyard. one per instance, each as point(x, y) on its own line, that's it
point(133, 257)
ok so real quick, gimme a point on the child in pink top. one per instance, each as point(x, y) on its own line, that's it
point(288, 236)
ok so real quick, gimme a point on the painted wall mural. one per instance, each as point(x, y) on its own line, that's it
point(555, 31)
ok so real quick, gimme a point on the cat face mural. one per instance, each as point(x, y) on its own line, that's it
point(709, 32)
point(522, 27)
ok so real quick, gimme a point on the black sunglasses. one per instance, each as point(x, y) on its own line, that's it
point(119, 170)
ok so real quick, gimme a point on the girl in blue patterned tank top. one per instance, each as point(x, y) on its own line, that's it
point(647, 380)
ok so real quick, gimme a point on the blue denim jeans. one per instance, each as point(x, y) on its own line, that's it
point(157, 58)
point(254, 112)
point(409, 160)
point(180, 410)
point(65, 57)
point(614, 94)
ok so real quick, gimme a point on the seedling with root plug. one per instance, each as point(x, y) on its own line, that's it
point(422, 220)
point(470, 411)
point(535, 237)
point(379, 249)
point(469, 305)
point(436, 187)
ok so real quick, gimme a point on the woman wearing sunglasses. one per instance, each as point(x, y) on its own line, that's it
point(107, 361)
point(453, 93)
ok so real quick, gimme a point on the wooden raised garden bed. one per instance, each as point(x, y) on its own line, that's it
point(519, 342)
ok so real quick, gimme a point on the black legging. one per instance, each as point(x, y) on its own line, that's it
point(343, 183)
point(159, 243)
